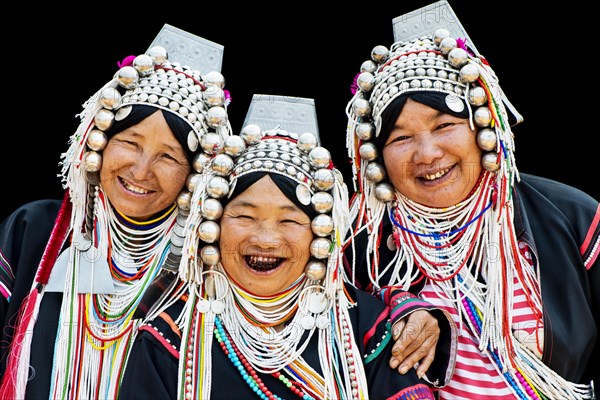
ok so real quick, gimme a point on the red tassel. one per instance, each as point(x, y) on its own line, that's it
point(27, 311)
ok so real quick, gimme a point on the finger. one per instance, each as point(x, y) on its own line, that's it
point(425, 363)
point(398, 328)
point(394, 363)
point(415, 357)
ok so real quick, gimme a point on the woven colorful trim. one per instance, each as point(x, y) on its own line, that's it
point(417, 392)
point(7, 278)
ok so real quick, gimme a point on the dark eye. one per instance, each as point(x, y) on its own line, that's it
point(128, 142)
point(445, 125)
point(398, 139)
point(170, 157)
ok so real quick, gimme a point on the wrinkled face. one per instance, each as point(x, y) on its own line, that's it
point(265, 239)
point(144, 168)
point(431, 157)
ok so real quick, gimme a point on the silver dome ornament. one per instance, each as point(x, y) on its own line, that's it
point(303, 194)
point(96, 140)
point(319, 248)
point(217, 187)
point(192, 141)
point(210, 255)
point(486, 139)
point(361, 107)
point(365, 130)
point(322, 202)
point(380, 54)
point(143, 64)
point(489, 161)
point(216, 116)
point(234, 145)
point(127, 77)
point(184, 200)
point(123, 113)
point(322, 225)
point(469, 73)
point(368, 66)
point(222, 165)
point(319, 157)
point(482, 117)
point(307, 141)
point(200, 161)
point(209, 231)
point(212, 209)
point(323, 179)
point(458, 57)
point(365, 81)
point(191, 181)
point(447, 44)
point(384, 192)
point(375, 172)
point(104, 119)
point(315, 270)
point(368, 151)
point(158, 54)
point(92, 161)
point(477, 96)
point(439, 35)
point(214, 96)
point(212, 143)
point(214, 78)
point(251, 134)
point(110, 98)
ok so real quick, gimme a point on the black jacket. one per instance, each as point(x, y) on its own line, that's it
point(561, 224)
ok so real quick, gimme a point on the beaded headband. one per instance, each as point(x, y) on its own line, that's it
point(296, 156)
point(435, 62)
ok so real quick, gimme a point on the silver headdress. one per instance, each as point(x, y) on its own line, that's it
point(276, 150)
point(154, 79)
point(432, 52)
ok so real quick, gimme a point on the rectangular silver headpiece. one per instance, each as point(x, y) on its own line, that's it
point(191, 50)
point(293, 114)
point(425, 20)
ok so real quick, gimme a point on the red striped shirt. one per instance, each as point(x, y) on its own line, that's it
point(475, 375)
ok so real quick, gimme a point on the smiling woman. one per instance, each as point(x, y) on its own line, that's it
point(443, 210)
point(72, 273)
point(259, 308)
point(144, 169)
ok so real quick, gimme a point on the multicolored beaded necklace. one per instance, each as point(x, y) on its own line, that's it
point(95, 332)
point(249, 373)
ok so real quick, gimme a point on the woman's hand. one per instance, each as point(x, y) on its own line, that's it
point(416, 337)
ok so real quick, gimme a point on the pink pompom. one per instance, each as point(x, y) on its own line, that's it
point(127, 61)
point(462, 43)
point(354, 87)
point(227, 97)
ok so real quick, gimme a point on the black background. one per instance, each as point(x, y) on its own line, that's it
point(53, 62)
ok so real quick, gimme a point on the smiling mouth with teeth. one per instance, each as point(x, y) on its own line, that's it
point(263, 264)
point(437, 175)
point(131, 188)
